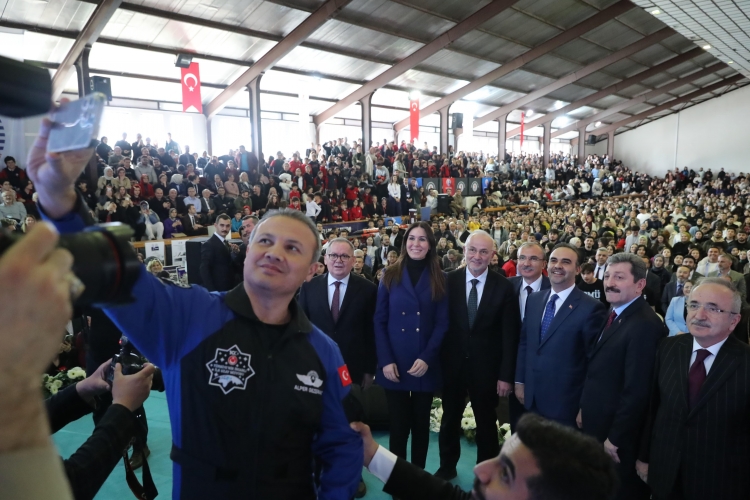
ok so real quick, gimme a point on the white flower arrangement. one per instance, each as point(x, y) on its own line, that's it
point(51, 385)
point(468, 422)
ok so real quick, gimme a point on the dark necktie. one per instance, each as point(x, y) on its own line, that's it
point(549, 315)
point(679, 290)
point(226, 244)
point(697, 375)
point(335, 302)
point(528, 291)
point(473, 302)
point(611, 319)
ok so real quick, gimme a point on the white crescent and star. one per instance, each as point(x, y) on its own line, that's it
point(188, 77)
point(414, 106)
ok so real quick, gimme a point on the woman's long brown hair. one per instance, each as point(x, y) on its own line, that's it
point(437, 278)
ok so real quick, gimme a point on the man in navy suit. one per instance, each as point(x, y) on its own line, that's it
point(560, 329)
point(531, 261)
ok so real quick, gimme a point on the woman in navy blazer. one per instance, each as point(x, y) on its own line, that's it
point(411, 319)
point(675, 316)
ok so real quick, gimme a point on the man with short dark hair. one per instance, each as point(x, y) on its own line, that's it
point(217, 272)
point(541, 461)
point(615, 395)
point(13, 174)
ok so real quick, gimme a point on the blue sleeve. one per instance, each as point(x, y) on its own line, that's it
point(440, 327)
point(338, 447)
point(669, 319)
point(165, 321)
point(382, 341)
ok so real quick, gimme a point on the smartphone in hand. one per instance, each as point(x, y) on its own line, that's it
point(76, 123)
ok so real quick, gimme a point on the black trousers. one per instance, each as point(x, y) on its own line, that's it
point(631, 486)
point(515, 411)
point(484, 401)
point(409, 412)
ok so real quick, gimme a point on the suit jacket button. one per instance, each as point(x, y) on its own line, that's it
point(403, 330)
point(417, 313)
point(403, 313)
point(417, 329)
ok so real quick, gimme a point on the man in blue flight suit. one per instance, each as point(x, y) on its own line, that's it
point(254, 389)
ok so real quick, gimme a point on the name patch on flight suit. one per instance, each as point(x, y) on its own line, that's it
point(312, 383)
point(230, 369)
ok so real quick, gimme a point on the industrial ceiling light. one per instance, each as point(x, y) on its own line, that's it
point(183, 60)
point(730, 62)
point(529, 113)
point(706, 47)
point(414, 95)
point(656, 12)
point(597, 124)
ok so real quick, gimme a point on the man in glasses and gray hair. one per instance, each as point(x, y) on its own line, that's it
point(697, 438)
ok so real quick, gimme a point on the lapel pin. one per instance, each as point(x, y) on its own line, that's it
point(571, 306)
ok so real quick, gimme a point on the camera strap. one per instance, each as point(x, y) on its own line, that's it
point(147, 491)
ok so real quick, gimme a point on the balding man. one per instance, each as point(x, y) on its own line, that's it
point(478, 353)
point(697, 437)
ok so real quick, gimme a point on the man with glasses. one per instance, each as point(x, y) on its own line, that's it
point(342, 304)
point(696, 442)
point(615, 395)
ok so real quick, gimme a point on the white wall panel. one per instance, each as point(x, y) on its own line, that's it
point(650, 148)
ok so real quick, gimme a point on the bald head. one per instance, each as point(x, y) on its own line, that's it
point(478, 249)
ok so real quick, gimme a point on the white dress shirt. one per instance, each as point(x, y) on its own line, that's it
point(522, 295)
point(561, 298)
point(709, 361)
point(332, 289)
point(480, 285)
point(220, 237)
point(382, 464)
point(599, 271)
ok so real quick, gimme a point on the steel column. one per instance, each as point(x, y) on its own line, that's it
point(366, 112)
point(611, 145)
point(547, 141)
point(581, 146)
point(253, 89)
point(502, 125)
point(83, 77)
point(444, 128)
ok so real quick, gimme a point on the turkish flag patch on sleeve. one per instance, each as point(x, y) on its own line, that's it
point(346, 379)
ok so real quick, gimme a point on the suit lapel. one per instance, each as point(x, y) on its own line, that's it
point(463, 308)
point(566, 308)
point(322, 294)
point(724, 365)
point(615, 326)
point(684, 352)
point(349, 293)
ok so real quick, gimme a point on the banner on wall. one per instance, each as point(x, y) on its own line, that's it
point(462, 185)
point(430, 183)
point(178, 253)
point(448, 185)
point(414, 119)
point(155, 249)
point(475, 186)
point(523, 119)
point(191, 89)
point(486, 183)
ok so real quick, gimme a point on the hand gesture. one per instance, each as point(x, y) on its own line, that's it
point(418, 369)
point(391, 372)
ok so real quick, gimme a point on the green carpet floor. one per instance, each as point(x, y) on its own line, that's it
point(159, 439)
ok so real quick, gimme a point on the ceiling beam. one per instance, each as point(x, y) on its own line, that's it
point(548, 46)
point(640, 99)
point(314, 21)
point(667, 105)
point(631, 49)
point(481, 16)
point(612, 89)
point(88, 35)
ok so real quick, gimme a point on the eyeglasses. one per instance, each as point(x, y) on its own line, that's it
point(335, 256)
point(711, 309)
point(534, 259)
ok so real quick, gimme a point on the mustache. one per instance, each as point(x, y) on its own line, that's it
point(697, 322)
point(612, 289)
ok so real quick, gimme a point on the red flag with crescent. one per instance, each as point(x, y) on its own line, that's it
point(523, 117)
point(414, 119)
point(191, 89)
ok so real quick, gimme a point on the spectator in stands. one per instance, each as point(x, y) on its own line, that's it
point(172, 224)
point(676, 315)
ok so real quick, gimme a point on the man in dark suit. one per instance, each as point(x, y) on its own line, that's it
point(190, 224)
point(697, 438)
point(531, 263)
point(381, 255)
point(541, 460)
point(559, 331)
point(217, 269)
point(479, 351)
point(615, 396)
point(674, 287)
point(208, 208)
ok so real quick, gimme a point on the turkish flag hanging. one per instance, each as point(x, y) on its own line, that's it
point(191, 89)
point(523, 115)
point(414, 119)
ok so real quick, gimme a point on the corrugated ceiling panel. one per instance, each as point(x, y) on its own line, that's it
point(427, 82)
point(44, 48)
point(641, 21)
point(561, 13)
point(396, 18)
point(625, 68)
point(552, 66)
point(652, 55)
point(582, 51)
point(336, 34)
point(523, 81)
point(570, 93)
point(613, 35)
point(452, 9)
point(60, 14)
point(488, 46)
point(461, 65)
point(304, 59)
point(521, 28)
point(598, 80)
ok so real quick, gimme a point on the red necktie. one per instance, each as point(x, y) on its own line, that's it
point(335, 302)
point(697, 375)
point(611, 319)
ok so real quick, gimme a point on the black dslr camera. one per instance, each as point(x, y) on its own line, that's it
point(129, 358)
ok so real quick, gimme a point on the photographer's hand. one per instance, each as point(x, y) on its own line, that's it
point(54, 174)
point(30, 335)
point(96, 384)
point(131, 391)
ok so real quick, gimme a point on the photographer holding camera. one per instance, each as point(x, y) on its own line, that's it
point(92, 463)
point(255, 391)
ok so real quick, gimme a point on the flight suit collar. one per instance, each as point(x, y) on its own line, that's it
point(238, 301)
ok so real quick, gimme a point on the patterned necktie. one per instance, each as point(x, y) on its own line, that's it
point(679, 290)
point(335, 302)
point(549, 315)
point(473, 302)
point(697, 375)
point(611, 319)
